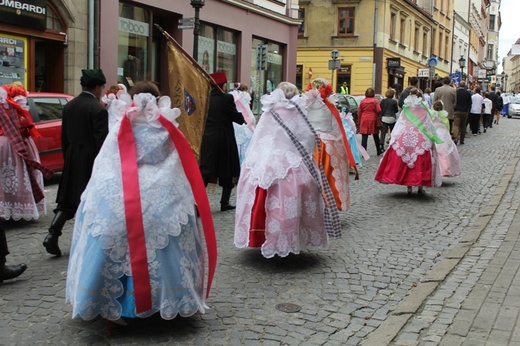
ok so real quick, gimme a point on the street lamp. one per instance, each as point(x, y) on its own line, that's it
point(462, 64)
point(197, 5)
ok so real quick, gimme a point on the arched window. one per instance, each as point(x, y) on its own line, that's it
point(54, 21)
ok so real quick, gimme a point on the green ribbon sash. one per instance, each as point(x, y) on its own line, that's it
point(417, 123)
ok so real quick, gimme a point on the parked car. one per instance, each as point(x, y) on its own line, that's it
point(360, 97)
point(514, 108)
point(46, 110)
point(349, 102)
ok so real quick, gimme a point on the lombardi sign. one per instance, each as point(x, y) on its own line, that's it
point(31, 14)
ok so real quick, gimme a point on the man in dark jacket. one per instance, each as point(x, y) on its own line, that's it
point(219, 152)
point(460, 113)
point(84, 128)
point(414, 83)
point(492, 95)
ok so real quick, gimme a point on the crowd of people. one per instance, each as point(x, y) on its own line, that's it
point(138, 193)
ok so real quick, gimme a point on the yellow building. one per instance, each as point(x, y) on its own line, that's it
point(380, 43)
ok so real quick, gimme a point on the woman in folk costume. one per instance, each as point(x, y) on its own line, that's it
point(108, 100)
point(350, 130)
point(21, 174)
point(137, 247)
point(284, 202)
point(411, 157)
point(335, 154)
point(243, 132)
point(447, 152)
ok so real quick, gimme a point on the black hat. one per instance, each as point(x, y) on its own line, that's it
point(92, 77)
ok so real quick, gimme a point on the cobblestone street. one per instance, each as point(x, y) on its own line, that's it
point(394, 246)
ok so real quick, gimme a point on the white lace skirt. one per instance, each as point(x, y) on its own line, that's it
point(16, 196)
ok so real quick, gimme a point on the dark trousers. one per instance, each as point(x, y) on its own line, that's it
point(364, 140)
point(460, 123)
point(384, 131)
point(4, 251)
point(474, 121)
point(486, 120)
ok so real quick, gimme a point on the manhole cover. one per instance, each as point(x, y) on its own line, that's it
point(288, 307)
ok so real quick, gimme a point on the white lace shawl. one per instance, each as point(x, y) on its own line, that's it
point(407, 140)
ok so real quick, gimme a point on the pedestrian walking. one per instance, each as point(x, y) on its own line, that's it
point(137, 247)
point(389, 111)
point(448, 95)
point(487, 112)
point(84, 128)
point(334, 153)
point(461, 113)
point(21, 174)
point(500, 106)
point(369, 115)
point(476, 111)
point(283, 204)
point(8, 272)
point(411, 157)
point(414, 83)
point(219, 152)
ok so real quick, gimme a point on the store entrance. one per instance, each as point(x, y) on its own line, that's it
point(47, 67)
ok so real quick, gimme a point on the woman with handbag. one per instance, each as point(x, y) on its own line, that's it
point(389, 109)
point(369, 111)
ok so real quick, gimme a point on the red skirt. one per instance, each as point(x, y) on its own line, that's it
point(392, 170)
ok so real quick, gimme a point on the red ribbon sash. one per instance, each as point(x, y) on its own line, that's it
point(192, 170)
point(134, 217)
point(133, 210)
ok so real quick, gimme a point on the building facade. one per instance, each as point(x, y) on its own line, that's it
point(51, 45)
point(380, 44)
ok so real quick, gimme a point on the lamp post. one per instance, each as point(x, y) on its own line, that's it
point(197, 5)
point(462, 64)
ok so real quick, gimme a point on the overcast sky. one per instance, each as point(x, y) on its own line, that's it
point(510, 29)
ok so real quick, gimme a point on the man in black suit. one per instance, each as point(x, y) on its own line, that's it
point(218, 151)
point(84, 128)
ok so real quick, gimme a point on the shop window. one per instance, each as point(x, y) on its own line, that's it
point(265, 81)
point(134, 32)
point(218, 51)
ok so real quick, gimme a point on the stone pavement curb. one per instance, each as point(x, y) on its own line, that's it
point(392, 325)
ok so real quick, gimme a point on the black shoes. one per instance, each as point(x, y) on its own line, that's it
point(51, 244)
point(226, 206)
point(10, 272)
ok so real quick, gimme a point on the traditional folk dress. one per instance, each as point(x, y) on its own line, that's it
point(357, 149)
point(137, 247)
point(280, 194)
point(243, 132)
point(335, 154)
point(21, 174)
point(411, 157)
point(447, 152)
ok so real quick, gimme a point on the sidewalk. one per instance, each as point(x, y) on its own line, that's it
point(472, 297)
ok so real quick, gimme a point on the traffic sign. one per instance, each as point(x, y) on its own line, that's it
point(186, 21)
point(186, 26)
point(433, 61)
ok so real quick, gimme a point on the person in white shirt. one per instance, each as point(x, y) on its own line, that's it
point(488, 111)
point(476, 111)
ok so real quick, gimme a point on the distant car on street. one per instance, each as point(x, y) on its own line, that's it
point(514, 108)
point(348, 102)
point(46, 110)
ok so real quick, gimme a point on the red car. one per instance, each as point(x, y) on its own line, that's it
point(46, 110)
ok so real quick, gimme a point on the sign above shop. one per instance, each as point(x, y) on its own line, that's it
point(393, 62)
point(423, 73)
point(30, 14)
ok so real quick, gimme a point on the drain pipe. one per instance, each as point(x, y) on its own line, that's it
point(90, 49)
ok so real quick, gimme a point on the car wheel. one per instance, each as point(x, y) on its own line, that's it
point(509, 116)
